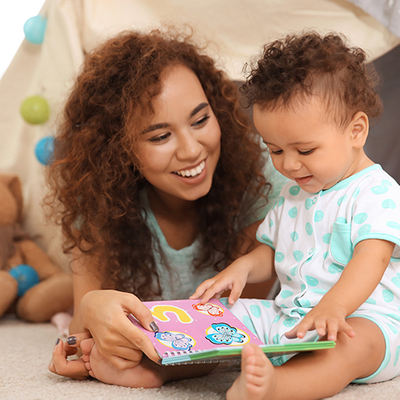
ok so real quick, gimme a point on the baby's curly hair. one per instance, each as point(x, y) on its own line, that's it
point(95, 177)
point(308, 64)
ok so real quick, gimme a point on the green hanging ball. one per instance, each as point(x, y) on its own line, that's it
point(35, 110)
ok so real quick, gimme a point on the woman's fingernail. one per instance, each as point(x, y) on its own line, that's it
point(71, 340)
point(154, 327)
point(57, 341)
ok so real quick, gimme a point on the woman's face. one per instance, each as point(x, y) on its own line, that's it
point(180, 148)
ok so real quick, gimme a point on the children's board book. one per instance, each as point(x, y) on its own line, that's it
point(190, 332)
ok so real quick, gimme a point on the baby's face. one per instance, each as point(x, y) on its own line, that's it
point(306, 147)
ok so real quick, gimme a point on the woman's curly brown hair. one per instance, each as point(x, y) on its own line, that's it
point(311, 64)
point(95, 177)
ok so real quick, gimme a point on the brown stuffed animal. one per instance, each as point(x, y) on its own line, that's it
point(53, 293)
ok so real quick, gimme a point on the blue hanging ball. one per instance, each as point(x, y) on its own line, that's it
point(44, 150)
point(35, 28)
point(26, 277)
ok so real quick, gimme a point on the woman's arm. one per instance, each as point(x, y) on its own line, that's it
point(359, 279)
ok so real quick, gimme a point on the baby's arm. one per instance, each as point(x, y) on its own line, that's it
point(359, 279)
point(256, 266)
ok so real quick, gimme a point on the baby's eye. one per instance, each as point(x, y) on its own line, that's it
point(201, 121)
point(305, 153)
point(160, 138)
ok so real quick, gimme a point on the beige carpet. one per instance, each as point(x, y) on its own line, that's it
point(25, 354)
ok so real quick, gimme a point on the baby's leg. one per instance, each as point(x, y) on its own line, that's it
point(147, 374)
point(312, 375)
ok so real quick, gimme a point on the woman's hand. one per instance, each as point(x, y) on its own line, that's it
point(104, 315)
point(60, 364)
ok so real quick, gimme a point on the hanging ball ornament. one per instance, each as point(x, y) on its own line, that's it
point(35, 110)
point(35, 28)
point(44, 150)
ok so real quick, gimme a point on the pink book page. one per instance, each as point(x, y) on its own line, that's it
point(186, 325)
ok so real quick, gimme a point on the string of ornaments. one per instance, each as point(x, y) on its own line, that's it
point(35, 110)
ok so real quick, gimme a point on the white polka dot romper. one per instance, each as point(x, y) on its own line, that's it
point(314, 236)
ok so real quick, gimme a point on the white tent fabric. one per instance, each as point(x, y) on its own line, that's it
point(236, 30)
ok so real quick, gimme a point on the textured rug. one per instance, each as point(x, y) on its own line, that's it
point(25, 354)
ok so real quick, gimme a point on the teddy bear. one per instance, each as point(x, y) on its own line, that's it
point(53, 292)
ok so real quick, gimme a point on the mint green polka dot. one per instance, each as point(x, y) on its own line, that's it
point(370, 301)
point(387, 295)
point(288, 278)
point(305, 303)
point(360, 218)
point(276, 319)
point(286, 293)
point(293, 212)
point(327, 238)
point(356, 193)
point(379, 189)
point(271, 223)
point(266, 239)
point(326, 255)
point(341, 220)
point(309, 229)
point(364, 230)
point(281, 200)
point(385, 182)
point(396, 358)
point(309, 203)
point(294, 190)
point(289, 322)
point(342, 199)
point(276, 339)
point(311, 280)
point(301, 311)
point(394, 225)
point(293, 271)
point(396, 280)
point(279, 256)
point(255, 310)
point(294, 236)
point(266, 303)
point(388, 203)
point(335, 269)
point(319, 291)
point(298, 255)
point(302, 287)
point(249, 323)
point(318, 216)
point(282, 306)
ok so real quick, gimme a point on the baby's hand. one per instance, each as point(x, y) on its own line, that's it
point(327, 321)
point(233, 278)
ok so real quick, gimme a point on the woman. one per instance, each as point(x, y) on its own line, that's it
point(160, 183)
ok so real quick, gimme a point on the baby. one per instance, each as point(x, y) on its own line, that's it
point(333, 236)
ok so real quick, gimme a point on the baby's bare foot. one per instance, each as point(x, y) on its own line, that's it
point(257, 379)
point(147, 374)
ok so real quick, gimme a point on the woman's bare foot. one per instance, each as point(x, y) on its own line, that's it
point(147, 374)
point(257, 379)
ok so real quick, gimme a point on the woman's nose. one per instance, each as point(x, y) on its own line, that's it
point(188, 146)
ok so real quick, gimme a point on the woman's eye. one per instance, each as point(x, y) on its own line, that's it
point(276, 152)
point(160, 138)
point(201, 121)
point(305, 153)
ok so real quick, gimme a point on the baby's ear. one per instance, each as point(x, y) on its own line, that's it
point(359, 129)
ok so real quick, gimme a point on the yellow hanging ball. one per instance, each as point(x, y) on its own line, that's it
point(35, 110)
